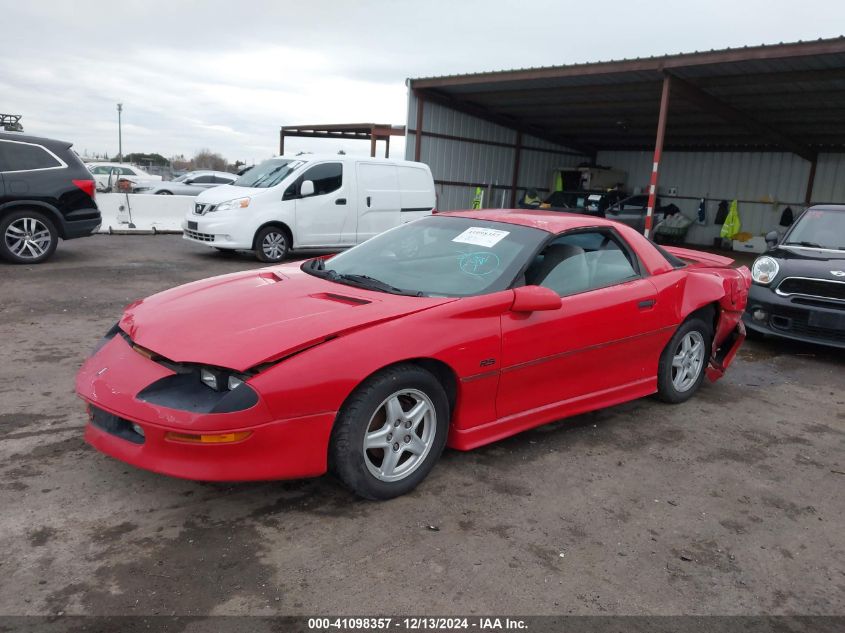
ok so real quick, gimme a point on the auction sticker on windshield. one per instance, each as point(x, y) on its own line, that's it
point(480, 236)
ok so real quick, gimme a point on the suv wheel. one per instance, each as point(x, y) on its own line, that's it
point(27, 237)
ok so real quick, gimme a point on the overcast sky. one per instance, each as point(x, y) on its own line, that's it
point(226, 75)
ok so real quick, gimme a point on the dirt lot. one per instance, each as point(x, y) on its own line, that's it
point(733, 503)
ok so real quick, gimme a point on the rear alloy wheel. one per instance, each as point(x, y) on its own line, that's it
point(28, 237)
point(390, 433)
point(164, 193)
point(271, 244)
point(682, 364)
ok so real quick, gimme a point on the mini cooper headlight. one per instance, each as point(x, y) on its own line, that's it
point(212, 378)
point(229, 205)
point(764, 270)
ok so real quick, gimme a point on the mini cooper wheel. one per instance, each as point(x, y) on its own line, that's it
point(390, 433)
point(271, 244)
point(27, 237)
point(683, 361)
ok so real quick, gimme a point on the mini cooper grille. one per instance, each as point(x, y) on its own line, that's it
point(812, 288)
point(202, 237)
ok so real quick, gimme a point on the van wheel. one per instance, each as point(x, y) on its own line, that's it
point(27, 237)
point(271, 244)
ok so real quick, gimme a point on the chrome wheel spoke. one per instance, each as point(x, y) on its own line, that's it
point(394, 411)
point(417, 414)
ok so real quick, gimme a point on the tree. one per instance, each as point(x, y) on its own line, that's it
point(206, 159)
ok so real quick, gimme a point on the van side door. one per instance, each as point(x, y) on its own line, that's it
point(321, 216)
point(379, 202)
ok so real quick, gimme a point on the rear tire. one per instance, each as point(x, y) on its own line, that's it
point(271, 244)
point(684, 361)
point(164, 193)
point(390, 432)
point(27, 237)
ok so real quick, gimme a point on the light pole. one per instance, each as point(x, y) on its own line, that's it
point(119, 134)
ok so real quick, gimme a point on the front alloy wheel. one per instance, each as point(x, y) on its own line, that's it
point(400, 435)
point(688, 361)
point(390, 432)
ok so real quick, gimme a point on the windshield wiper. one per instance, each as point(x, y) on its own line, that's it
point(375, 284)
point(807, 244)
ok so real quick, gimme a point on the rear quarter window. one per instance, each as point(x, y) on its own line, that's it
point(15, 156)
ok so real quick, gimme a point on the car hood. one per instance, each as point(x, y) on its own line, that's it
point(223, 193)
point(245, 319)
point(810, 263)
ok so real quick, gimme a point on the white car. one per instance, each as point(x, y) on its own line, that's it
point(103, 171)
point(310, 202)
point(191, 184)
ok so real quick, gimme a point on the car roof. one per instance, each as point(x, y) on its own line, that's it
point(828, 207)
point(349, 157)
point(39, 140)
point(550, 221)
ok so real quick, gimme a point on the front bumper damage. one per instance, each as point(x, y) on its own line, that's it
point(110, 383)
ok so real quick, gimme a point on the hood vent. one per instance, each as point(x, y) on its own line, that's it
point(351, 301)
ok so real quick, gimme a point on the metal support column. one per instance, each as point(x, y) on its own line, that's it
point(372, 145)
point(282, 142)
point(658, 151)
point(515, 181)
point(418, 132)
point(811, 179)
point(387, 146)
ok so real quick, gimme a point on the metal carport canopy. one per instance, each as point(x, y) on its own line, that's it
point(763, 98)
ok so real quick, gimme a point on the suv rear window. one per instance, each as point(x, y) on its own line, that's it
point(16, 156)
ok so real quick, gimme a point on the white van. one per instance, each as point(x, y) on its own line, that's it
point(310, 202)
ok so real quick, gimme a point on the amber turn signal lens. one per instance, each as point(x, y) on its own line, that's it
point(219, 438)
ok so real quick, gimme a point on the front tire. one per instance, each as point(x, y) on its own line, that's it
point(390, 433)
point(684, 361)
point(271, 244)
point(27, 237)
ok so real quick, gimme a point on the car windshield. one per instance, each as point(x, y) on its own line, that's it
point(819, 228)
point(436, 256)
point(268, 174)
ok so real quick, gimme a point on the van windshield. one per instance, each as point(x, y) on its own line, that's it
point(269, 173)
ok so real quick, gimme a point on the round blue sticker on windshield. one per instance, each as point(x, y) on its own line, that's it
point(479, 263)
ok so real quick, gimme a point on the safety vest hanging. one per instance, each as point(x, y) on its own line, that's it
point(478, 200)
point(732, 225)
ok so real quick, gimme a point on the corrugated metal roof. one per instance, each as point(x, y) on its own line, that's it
point(796, 89)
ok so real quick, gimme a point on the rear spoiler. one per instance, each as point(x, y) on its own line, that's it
point(699, 257)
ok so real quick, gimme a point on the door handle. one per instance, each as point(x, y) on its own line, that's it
point(368, 200)
point(645, 305)
point(340, 201)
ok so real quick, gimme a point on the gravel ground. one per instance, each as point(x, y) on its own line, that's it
point(729, 504)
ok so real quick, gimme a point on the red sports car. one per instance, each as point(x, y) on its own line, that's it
point(458, 329)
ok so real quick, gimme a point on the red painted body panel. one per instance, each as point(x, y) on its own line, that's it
point(511, 370)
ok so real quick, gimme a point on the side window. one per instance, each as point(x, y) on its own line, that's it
point(24, 157)
point(202, 180)
point(327, 177)
point(223, 180)
point(582, 261)
point(125, 171)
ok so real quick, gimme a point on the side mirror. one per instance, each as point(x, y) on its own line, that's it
point(306, 188)
point(534, 299)
point(189, 181)
point(772, 238)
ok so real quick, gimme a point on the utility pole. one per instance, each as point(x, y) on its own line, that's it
point(119, 134)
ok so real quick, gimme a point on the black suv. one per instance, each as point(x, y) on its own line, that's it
point(46, 193)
